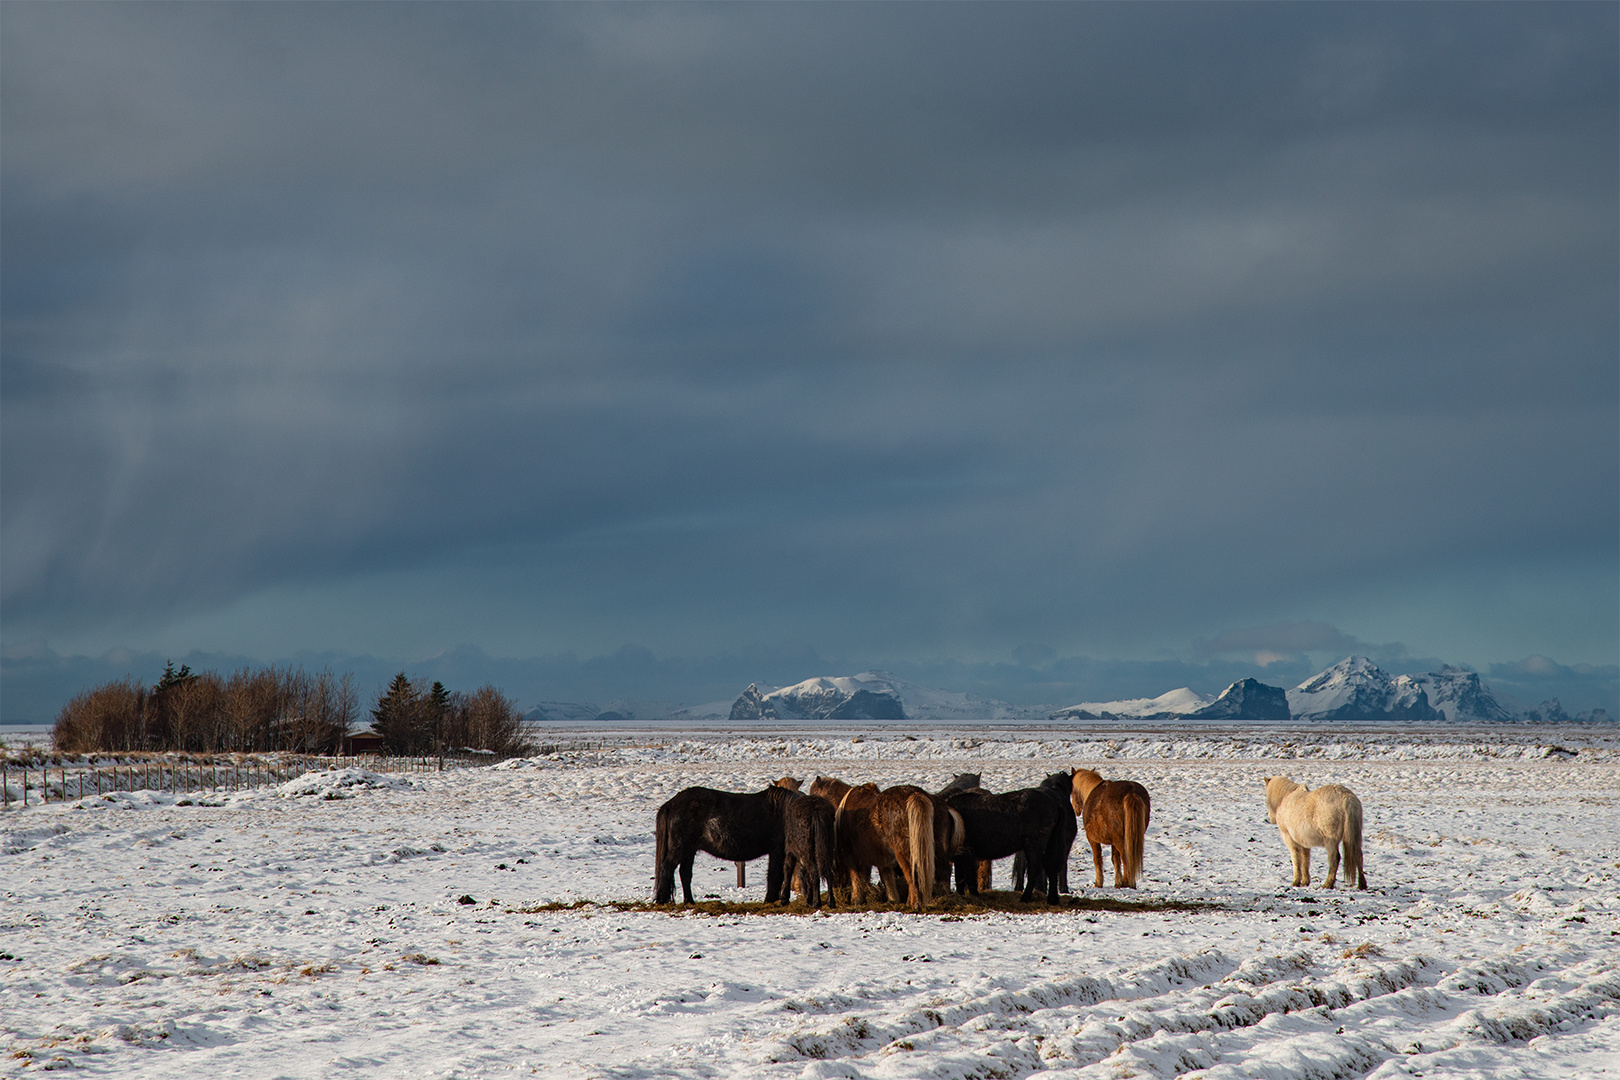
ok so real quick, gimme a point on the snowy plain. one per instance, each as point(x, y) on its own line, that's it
point(316, 929)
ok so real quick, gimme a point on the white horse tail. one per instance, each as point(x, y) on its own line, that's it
point(920, 824)
point(1353, 869)
point(1136, 823)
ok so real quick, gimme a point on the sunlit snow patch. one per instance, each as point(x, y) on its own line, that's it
point(339, 783)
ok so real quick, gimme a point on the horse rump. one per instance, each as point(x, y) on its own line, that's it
point(808, 840)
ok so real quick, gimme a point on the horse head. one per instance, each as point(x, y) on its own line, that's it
point(1082, 783)
point(1277, 789)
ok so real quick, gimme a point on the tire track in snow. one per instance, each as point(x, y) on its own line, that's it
point(1210, 1017)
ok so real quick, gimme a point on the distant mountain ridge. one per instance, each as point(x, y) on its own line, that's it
point(1353, 689)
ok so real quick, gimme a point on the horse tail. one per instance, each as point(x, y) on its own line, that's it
point(821, 839)
point(661, 858)
point(920, 823)
point(1136, 823)
point(839, 827)
point(1353, 870)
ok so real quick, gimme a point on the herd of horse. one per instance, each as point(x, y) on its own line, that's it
point(914, 839)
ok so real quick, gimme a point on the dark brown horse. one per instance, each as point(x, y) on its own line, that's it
point(808, 842)
point(1116, 813)
point(726, 824)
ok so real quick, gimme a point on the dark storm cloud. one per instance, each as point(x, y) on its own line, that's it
point(899, 330)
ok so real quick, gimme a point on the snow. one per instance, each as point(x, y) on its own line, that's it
point(1177, 702)
point(317, 928)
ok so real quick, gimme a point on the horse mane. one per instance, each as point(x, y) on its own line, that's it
point(779, 797)
point(1059, 783)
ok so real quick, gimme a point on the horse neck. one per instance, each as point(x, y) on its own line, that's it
point(1058, 784)
point(1085, 782)
point(833, 789)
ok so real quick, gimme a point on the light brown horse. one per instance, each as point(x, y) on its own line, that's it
point(888, 830)
point(1116, 813)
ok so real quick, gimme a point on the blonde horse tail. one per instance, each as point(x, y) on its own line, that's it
point(1353, 869)
point(920, 823)
point(841, 864)
point(839, 827)
point(1136, 823)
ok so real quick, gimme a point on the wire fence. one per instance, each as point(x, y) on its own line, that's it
point(39, 777)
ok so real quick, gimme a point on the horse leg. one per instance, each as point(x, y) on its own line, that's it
point(1333, 864)
point(1096, 860)
point(773, 875)
point(1031, 859)
point(1304, 866)
point(966, 871)
point(1119, 866)
point(790, 866)
point(857, 893)
point(891, 883)
point(686, 877)
point(1057, 853)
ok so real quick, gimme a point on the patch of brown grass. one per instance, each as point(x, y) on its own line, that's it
point(950, 907)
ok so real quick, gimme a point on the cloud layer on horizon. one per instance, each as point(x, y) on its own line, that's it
point(1090, 329)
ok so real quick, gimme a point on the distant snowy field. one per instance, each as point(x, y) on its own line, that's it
point(314, 931)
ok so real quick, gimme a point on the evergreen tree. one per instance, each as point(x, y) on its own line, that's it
point(399, 717)
point(440, 706)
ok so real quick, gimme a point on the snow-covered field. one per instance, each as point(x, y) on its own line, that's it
point(315, 929)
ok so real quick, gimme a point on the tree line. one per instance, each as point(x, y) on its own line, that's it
point(415, 718)
point(281, 709)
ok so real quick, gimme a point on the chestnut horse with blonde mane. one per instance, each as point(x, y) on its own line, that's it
point(893, 829)
point(1116, 813)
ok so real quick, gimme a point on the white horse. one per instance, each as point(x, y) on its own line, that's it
point(1324, 818)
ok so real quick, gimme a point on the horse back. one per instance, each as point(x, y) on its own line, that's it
point(726, 824)
point(1001, 824)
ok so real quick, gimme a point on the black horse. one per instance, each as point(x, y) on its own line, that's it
point(962, 781)
point(967, 781)
point(1031, 821)
point(808, 825)
point(1058, 786)
point(729, 825)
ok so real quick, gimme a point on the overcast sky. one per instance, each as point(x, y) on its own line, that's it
point(900, 333)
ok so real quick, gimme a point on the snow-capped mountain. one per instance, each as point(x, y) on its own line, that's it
point(1179, 702)
point(1247, 699)
point(1458, 694)
point(1357, 689)
point(871, 695)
